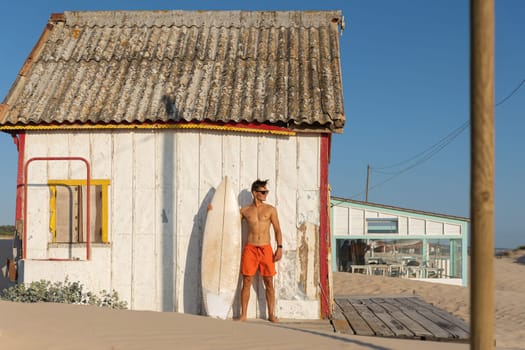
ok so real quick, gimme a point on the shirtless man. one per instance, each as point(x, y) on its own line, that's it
point(258, 253)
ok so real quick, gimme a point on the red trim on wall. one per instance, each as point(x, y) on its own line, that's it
point(324, 229)
point(20, 141)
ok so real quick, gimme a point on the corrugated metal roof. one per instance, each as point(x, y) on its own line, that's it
point(280, 68)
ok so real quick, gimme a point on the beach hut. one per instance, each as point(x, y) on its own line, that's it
point(126, 121)
point(386, 240)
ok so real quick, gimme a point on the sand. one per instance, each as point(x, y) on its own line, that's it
point(65, 327)
point(60, 327)
point(509, 279)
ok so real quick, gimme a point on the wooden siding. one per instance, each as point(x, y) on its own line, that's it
point(416, 227)
point(351, 221)
point(341, 221)
point(161, 184)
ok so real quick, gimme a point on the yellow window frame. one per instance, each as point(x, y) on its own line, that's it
point(104, 183)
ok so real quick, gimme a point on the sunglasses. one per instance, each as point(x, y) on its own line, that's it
point(263, 192)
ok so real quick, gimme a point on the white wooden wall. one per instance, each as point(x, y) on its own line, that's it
point(161, 184)
point(351, 221)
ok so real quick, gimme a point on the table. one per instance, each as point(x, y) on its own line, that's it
point(379, 269)
point(434, 272)
point(361, 269)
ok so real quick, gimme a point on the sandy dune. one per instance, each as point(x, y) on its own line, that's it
point(64, 327)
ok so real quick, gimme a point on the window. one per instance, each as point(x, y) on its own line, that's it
point(436, 258)
point(382, 225)
point(446, 255)
point(68, 211)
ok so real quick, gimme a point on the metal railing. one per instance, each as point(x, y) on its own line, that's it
point(88, 209)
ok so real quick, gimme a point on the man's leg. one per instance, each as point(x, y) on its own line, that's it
point(270, 298)
point(245, 296)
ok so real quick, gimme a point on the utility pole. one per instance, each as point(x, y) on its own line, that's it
point(367, 181)
point(482, 174)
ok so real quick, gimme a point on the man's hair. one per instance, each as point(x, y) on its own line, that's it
point(258, 183)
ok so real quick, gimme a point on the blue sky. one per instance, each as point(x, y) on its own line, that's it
point(405, 71)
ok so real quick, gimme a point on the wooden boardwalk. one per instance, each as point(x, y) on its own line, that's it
point(400, 317)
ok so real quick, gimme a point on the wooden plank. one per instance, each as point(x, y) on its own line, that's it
point(266, 161)
point(403, 317)
point(373, 321)
point(414, 326)
point(399, 329)
point(441, 322)
point(207, 172)
point(454, 326)
point(408, 309)
point(340, 323)
point(78, 144)
point(344, 305)
point(67, 219)
point(356, 322)
point(247, 174)
point(308, 148)
point(145, 173)
point(418, 330)
point(411, 310)
point(433, 328)
point(403, 303)
point(446, 315)
point(100, 150)
point(389, 304)
point(285, 187)
point(435, 314)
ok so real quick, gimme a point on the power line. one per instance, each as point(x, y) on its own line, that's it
point(429, 152)
point(511, 94)
point(432, 150)
point(451, 136)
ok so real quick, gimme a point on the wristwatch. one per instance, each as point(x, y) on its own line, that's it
point(279, 246)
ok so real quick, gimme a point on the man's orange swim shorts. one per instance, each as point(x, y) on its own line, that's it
point(255, 256)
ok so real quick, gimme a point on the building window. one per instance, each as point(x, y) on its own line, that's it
point(68, 211)
point(382, 225)
point(432, 258)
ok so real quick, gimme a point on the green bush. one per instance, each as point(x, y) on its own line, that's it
point(61, 292)
point(6, 230)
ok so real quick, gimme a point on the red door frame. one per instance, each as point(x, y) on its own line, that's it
point(324, 228)
point(20, 142)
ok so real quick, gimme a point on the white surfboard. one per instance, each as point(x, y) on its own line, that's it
point(221, 252)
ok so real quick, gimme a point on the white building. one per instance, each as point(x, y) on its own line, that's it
point(152, 109)
point(401, 242)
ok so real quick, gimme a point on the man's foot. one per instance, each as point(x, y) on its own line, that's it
point(273, 319)
point(241, 319)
